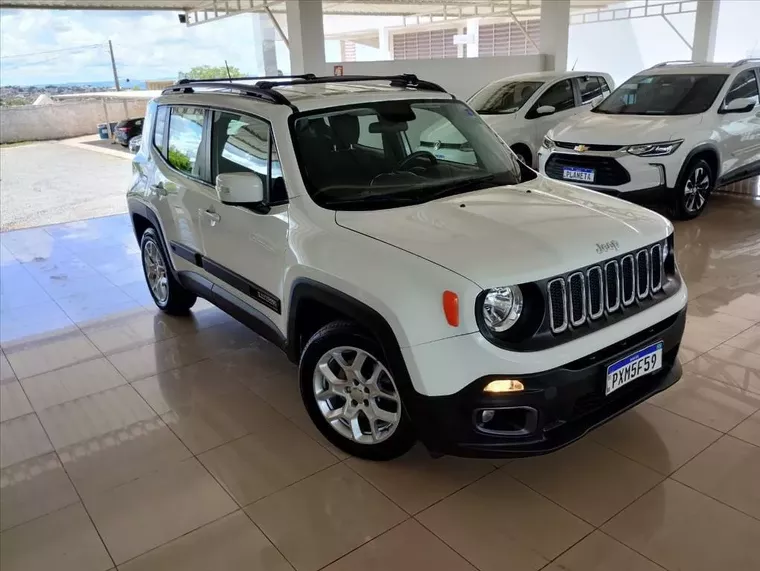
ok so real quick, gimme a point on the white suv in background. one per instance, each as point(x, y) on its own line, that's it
point(670, 134)
point(473, 305)
point(522, 108)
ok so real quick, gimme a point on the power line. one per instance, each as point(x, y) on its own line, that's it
point(54, 51)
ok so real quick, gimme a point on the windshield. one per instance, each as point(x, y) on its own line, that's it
point(392, 153)
point(508, 97)
point(670, 94)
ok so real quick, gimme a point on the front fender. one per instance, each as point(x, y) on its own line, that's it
point(406, 290)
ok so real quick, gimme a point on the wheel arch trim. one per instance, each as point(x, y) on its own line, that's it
point(701, 148)
point(304, 289)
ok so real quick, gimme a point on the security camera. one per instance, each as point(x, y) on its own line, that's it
point(182, 18)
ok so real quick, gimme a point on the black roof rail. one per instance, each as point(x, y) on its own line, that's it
point(403, 80)
point(241, 88)
point(247, 78)
point(264, 90)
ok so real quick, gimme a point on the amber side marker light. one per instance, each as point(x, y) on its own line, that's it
point(451, 308)
point(504, 386)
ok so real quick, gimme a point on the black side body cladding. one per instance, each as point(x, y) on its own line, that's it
point(243, 312)
point(237, 281)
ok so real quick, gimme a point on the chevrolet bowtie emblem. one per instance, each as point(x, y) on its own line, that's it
point(580, 148)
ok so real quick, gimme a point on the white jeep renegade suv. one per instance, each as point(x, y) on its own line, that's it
point(669, 134)
point(478, 307)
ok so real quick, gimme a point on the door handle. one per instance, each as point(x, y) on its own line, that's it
point(158, 188)
point(212, 216)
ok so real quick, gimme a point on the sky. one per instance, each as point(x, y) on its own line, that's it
point(154, 45)
point(147, 45)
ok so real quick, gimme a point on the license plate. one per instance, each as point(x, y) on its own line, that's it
point(643, 362)
point(583, 175)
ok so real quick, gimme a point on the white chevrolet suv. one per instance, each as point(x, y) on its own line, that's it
point(669, 134)
point(480, 308)
point(521, 109)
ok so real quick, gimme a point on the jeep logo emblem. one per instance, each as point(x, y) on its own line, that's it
point(604, 247)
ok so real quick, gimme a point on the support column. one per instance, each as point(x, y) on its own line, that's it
point(555, 31)
point(306, 36)
point(473, 26)
point(383, 43)
point(263, 44)
point(705, 30)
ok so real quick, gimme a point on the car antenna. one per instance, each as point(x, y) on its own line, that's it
point(229, 75)
point(575, 62)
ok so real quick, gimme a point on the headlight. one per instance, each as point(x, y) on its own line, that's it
point(655, 149)
point(502, 307)
point(548, 143)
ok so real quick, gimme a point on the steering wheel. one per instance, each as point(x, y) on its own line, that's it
point(416, 156)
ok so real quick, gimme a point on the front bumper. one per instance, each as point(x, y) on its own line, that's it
point(649, 177)
point(557, 407)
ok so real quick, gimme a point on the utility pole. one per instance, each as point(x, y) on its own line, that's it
point(113, 65)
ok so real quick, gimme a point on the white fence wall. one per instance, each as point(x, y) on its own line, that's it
point(63, 120)
point(460, 76)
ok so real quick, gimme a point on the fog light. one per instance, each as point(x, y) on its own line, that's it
point(487, 416)
point(504, 386)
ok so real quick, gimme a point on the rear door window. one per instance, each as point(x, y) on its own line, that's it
point(185, 136)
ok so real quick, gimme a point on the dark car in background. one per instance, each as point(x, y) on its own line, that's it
point(128, 129)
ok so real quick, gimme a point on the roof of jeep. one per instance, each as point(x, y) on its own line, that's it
point(317, 96)
point(310, 97)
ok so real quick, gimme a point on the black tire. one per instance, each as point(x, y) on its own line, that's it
point(179, 300)
point(346, 334)
point(688, 204)
point(523, 154)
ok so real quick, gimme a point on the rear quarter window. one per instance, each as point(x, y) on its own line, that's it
point(160, 130)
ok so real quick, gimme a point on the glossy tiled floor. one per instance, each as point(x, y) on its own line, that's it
point(143, 442)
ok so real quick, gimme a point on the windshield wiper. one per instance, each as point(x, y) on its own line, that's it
point(388, 198)
point(458, 188)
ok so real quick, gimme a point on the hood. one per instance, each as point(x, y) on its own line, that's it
point(513, 234)
point(601, 129)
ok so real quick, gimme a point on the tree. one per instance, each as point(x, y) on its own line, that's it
point(211, 72)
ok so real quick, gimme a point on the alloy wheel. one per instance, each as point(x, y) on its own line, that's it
point(356, 395)
point(696, 189)
point(155, 272)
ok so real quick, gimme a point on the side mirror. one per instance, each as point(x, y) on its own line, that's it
point(546, 110)
point(240, 188)
point(739, 105)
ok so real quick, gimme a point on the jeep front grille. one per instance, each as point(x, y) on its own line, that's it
point(588, 294)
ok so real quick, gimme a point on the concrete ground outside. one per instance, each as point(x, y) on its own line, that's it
point(61, 181)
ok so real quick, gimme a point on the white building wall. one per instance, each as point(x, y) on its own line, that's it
point(460, 76)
